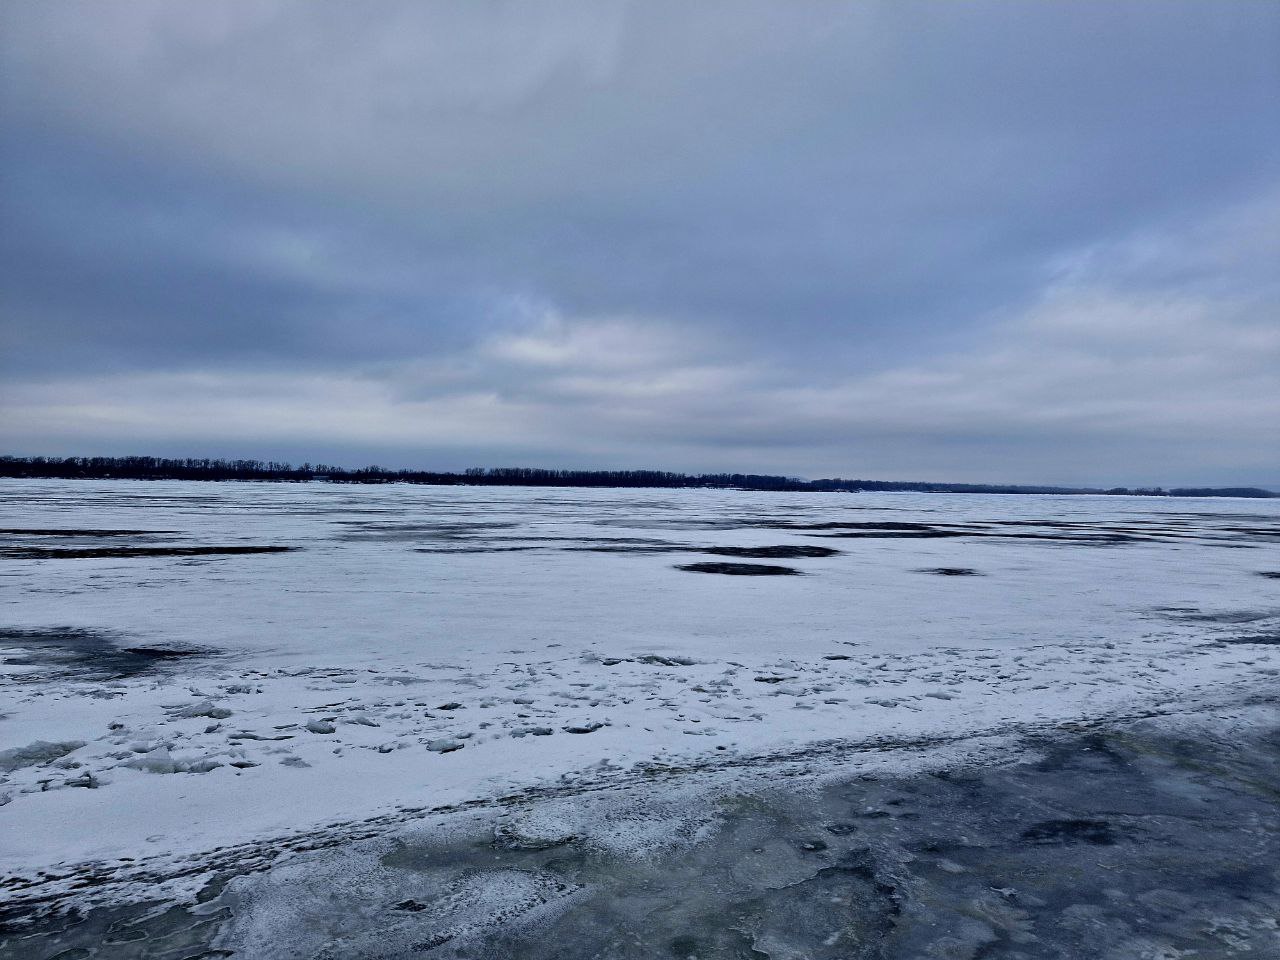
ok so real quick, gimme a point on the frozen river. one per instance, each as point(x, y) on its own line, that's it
point(201, 675)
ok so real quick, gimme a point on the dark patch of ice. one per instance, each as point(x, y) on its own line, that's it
point(95, 553)
point(740, 569)
point(73, 532)
point(662, 661)
point(165, 653)
point(1062, 832)
point(473, 549)
point(1221, 616)
point(856, 525)
point(1262, 639)
point(75, 653)
point(891, 534)
point(780, 552)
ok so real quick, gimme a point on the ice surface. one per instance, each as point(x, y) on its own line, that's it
point(1140, 839)
point(419, 647)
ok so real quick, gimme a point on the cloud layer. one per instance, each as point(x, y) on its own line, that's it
point(973, 242)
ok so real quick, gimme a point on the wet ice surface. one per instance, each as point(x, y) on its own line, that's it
point(1137, 840)
point(1120, 843)
point(178, 701)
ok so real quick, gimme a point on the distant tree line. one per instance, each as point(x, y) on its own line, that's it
point(196, 468)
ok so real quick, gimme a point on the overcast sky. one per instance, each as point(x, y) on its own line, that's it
point(982, 241)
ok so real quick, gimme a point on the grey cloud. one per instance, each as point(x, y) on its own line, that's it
point(795, 202)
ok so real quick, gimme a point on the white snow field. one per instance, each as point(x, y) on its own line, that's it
point(417, 647)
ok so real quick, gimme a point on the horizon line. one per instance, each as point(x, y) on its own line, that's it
point(141, 466)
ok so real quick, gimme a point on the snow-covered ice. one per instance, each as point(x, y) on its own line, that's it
point(421, 647)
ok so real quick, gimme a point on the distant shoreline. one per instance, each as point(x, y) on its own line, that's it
point(209, 470)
